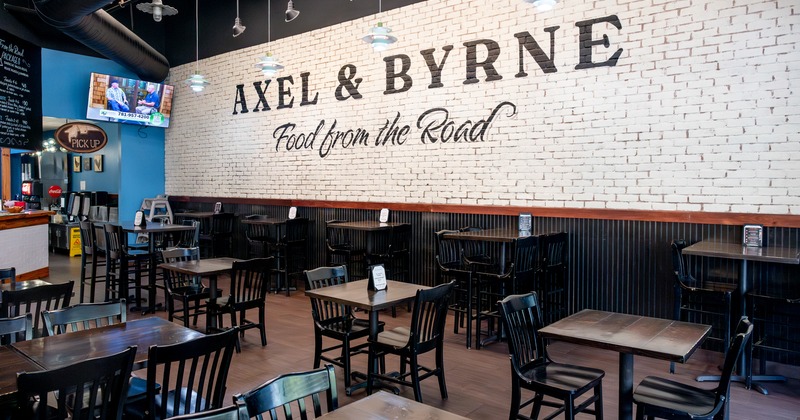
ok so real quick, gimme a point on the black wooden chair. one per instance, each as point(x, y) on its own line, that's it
point(91, 258)
point(249, 288)
point(18, 328)
point(192, 377)
point(94, 388)
point(396, 255)
point(533, 370)
point(189, 238)
point(84, 316)
point(237, 411)
point(551, 278)
point(260, 237)
point(122, 262)
point(426, 333)
point(35, 300)
point(664, 398)
point(340, 249)
point(492, 285)
point(185, 294)
point(336, 321)
point(8, 275)
point(217, 232)
point(776, 330)
point(290, 253)
point(696, 302)
point(290, 390)
point(450, 266)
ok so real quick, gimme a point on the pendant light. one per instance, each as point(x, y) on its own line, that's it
point(238, 28)
point(268, 64)
point(378, 35)
point(291, 14)
point(196, 81)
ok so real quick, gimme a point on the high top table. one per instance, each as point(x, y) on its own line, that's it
point(735, 251)
point(629, 335)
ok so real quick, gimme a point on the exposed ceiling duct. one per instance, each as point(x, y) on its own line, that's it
point(84, 21)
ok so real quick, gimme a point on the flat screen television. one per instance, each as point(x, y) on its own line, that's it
point(130, 101)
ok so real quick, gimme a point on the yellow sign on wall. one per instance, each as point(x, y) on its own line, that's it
point(74, 241)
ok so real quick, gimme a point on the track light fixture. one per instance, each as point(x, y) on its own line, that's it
point(291, 14)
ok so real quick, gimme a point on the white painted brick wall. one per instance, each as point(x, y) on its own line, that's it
point(701, 112)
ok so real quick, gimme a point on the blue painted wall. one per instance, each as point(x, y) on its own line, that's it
point(135, 158)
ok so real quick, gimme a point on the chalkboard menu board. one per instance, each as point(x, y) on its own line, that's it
point(20, 93)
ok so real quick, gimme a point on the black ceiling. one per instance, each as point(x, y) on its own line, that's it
point(174, 36)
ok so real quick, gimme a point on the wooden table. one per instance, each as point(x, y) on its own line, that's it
point(736, 251)
point(11, 362)
point(629, 335)
point(149, 229)
point(369, 226)
point(355, 294)
point(385, 406)
point(210, 268)
point(68, 348)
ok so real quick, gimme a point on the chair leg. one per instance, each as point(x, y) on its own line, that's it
point(515, 398)
point(598, 402)
point(186, 313)
point(346, 362)
point(569, 408)
point(537, 405)
point(415, 379)
point(370, 370)
point(317, 348)
point(93, 280)
point(83, 275)
point(440, 368)
point(262, 326)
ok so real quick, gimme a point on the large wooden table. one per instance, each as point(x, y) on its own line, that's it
point(65, 349)
point(355, 294)
point(385, 406)
point(629, 335)
point(736, 251)
point(209, 268)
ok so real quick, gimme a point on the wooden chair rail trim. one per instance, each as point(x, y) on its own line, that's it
point(713, 218)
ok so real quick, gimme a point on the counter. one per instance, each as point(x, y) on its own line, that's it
point(24, 243)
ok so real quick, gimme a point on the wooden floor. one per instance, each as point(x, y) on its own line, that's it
point(477, 380)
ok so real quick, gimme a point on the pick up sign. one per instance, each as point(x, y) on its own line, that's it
point(80, 137)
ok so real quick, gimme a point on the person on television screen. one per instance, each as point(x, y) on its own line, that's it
point(149, 104)
point(116, 97)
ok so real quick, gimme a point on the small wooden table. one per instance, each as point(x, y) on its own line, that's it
point(210, 268)
point(355, 294)
point(11, 362)
point(65, 349)
point(629, 335)
point(385, 406)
